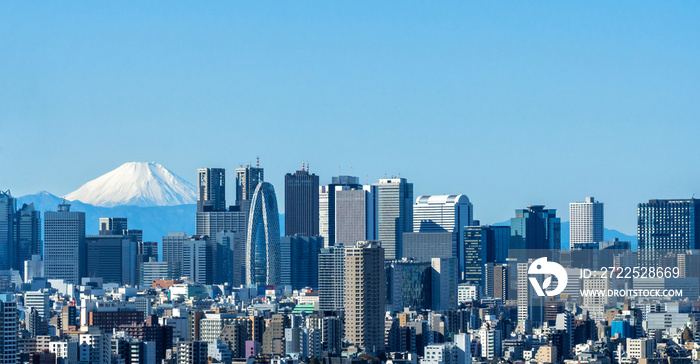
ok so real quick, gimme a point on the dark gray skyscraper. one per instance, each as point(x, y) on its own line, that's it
point(326, 205)
point(299, 261)
point(301, 203)
point(667, 225)
point(27, 234)
point(212, 189)
point(263, 238)
point(213, 217)
point(247, 179)
point(8, 247)
point(535, 228)
point(395, 200)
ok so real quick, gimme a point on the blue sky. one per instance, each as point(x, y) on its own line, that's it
point(511, 103)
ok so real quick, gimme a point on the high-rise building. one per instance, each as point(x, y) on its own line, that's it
point(585, 222)
point(196, 259)
point(212, 189)
point(172, 247)
point(326, 198)
point(331, 279)
point(395, 214)
point(483, 244)
point(665, 226)
point(8, 248)
point(113, 225)
point(443, 283)
point(9, 335)
point(211, 223)
point(408, 285)
point(299, 261)
point(247, 180)
point(535, 228)
point(355, 214)
point(230, 257)
point(445, 213)
point(27, 233)
point(423, 247)
point(153, 271)
point(64, 244)
point(365, 290)
point(263, 238)
point(301, 203)
point(112, 258)
point(213, 217)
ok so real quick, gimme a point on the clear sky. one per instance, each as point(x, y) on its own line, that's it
point(510, 103)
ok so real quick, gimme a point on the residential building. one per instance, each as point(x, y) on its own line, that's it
point(365, 290)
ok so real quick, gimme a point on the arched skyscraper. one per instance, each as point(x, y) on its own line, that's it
point(263, 238)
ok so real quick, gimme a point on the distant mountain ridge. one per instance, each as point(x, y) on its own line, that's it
point(136, 184)
point(155, 221)
point(608, 234)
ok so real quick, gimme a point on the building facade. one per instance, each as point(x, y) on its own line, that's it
point(585, 222)
point(365, 290)
point(263, 238)
point(301, 203)
point(64, 244)
point(395, 214)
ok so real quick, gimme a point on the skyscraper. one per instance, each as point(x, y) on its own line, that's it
point(247, 179)
point(301, 203)
point(585, 222)
point(331, 279)
point(64, 244)
point(112, 258)
point(395, 201)
point(113, 225)
point(27, 234)
point(212, 189)
point(263, 238)
point(299, 261)
point(196, 259)
point(172, 247)
point(213, 217)
point(8, 246)
point(355, 214)
point(445, 213)
point(483, 244)
point(9, 335)
point(365, 295)
point(535, 228)
point(667, 225)
point(326, 197)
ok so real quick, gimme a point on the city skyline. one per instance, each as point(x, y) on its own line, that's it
point(473, 83)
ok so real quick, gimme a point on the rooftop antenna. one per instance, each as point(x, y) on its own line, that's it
point(257, 162)
point(307, 166)
point(351, 170)
point(338, 171)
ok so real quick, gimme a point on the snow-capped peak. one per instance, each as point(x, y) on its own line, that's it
point(136, 183)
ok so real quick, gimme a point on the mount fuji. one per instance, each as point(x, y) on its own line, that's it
point(136, 184)
point(152, 198)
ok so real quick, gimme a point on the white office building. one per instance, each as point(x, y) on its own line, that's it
point(355, 214)
point(64, 244)
point(445, 213)
point(585, 222)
